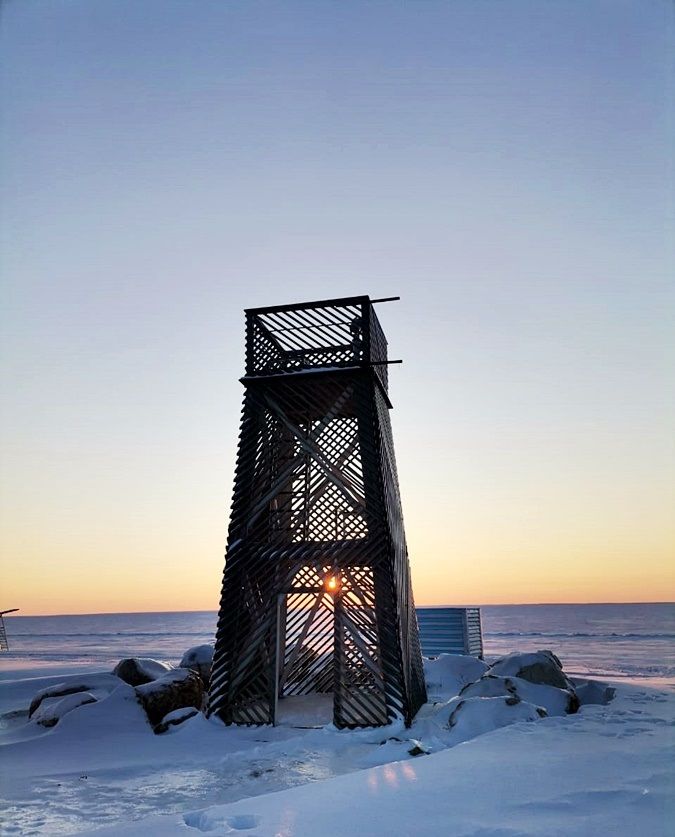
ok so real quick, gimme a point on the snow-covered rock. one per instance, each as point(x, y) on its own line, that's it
point(417, 748)
point(199, 659)
point(536, 666)
point(117, 719)
point(98, 684)
point(139, 670)
point(594, 692)
point(555, 701)
point(447, 674)
point(51, 710)
point(177, 689)
point(470, 717)
point(175, 718)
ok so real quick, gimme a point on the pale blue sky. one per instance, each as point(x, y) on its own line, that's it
point(505, 166)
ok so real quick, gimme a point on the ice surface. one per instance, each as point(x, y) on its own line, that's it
point(601, 640)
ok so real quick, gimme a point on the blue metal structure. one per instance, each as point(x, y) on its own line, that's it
point(450, 630)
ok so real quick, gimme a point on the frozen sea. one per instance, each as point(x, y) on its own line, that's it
point(608, 640)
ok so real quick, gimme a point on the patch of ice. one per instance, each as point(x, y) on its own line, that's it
point(209, 821)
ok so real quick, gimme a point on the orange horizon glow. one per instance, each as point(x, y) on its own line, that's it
point(172, 567)
point(90, 602)
point(181, 571)
point(131, 590)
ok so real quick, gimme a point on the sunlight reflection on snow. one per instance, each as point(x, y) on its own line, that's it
point(408, 771)
point(286, 824)
point(393, 774)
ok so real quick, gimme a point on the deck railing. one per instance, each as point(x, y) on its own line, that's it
point(336, 333)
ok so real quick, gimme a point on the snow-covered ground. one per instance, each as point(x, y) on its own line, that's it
point(495, 772)
point(606, 771)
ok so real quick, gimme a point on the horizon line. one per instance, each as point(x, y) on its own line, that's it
point(215, 611)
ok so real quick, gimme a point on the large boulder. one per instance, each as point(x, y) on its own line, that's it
point(98, 684)
point(447, 674)
point(139, 670)
point(176, 689)
point(537, 666)
point(555, 701)
point(51, 710)
point(199, 659)
point(477, 715)
point(593, 692)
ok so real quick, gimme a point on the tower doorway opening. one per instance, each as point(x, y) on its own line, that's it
point(327, 652)
point(306, 650)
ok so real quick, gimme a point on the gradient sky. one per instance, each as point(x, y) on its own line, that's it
point(505, 166)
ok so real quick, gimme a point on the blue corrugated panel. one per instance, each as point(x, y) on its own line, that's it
point(450, 630)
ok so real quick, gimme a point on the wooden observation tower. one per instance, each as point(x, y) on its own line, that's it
point(317, 596)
